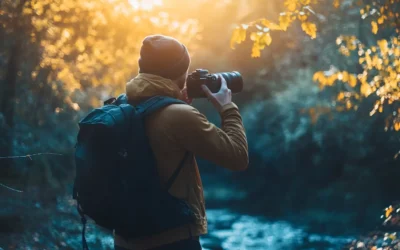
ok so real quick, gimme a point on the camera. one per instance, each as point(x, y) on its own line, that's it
point(199, 77)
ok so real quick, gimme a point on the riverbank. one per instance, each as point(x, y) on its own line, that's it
point(56, 225)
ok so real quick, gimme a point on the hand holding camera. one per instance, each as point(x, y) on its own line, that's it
point(218, 88)
point(222, 97)
point(213, 82)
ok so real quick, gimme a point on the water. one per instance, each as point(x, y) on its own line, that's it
point(233, 231)
point(59, 228)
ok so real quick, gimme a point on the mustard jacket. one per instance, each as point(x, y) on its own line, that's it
point(174, 130)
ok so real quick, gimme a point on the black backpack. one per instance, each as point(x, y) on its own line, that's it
point(116, 183)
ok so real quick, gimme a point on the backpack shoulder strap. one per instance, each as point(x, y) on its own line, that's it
point(172, 179)
point(153, 104)
point(121, 99)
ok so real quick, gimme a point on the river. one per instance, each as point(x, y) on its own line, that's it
point(232, 231)
point(58, 227)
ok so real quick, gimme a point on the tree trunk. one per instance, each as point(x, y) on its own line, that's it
point(9, 89)
point(7, 107)
point(7, 101)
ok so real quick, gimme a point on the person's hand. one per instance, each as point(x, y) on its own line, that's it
point(185, 96)
point(222, 97)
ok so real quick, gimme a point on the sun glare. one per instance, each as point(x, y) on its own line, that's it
point(145, 4)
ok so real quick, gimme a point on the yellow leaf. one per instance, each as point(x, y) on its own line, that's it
point(381, 20)
point(291, 5)
point(397, 128)
point(266, 39)
point(38, 7)
point(331, 79)
point(310, 29)
point(383, 45)
point(389, 210)
point(348, 105)
point(336, 3)
point(270, 25)
point(352, 81)
point(253, 36)
point(302, 16)
point(395, 41)
point(255, 51)
point(242, 35)
point(345, 76)
point(80, 44)
point(235, 37)
point(318, 76)
point(365, 89)
point(26, 11)
point(57, 18)
point(374, 26)
point(284, 21)
point(340, 96)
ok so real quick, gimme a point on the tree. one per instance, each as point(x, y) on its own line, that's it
point(64, 55)
point(9, 16)
point(378, 58)
point(368, 73)
point(81, 43)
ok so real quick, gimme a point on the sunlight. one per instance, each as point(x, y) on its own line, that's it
point(145, 4)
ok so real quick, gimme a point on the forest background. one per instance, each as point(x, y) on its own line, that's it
point(320, 102)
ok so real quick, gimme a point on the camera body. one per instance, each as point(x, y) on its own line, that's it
point(201, 76)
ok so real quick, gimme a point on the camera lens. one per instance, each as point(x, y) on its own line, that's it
point(234, 81)
point(201, 76)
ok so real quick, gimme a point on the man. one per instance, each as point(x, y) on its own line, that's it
point(179, 128)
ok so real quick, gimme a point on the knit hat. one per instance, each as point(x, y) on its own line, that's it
point(163, 56)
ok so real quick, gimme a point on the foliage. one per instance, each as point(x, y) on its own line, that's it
point(261, 36)
point(58, 59)
point(87, 43)
point(341, 90)
point(379, 63)
point(387, 235)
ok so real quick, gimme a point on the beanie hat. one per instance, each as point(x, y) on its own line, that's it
point(163, 56)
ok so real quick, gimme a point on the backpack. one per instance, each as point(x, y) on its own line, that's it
point(117, 183)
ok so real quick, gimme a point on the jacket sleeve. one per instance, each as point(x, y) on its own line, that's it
point(226, 147)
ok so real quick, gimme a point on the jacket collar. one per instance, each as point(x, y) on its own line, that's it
point(144, 86)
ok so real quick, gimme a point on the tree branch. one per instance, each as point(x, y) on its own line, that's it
point(27, 156)
point(12, 189)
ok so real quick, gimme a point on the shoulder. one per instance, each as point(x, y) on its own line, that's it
point(181, 113)
point(180, 108)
